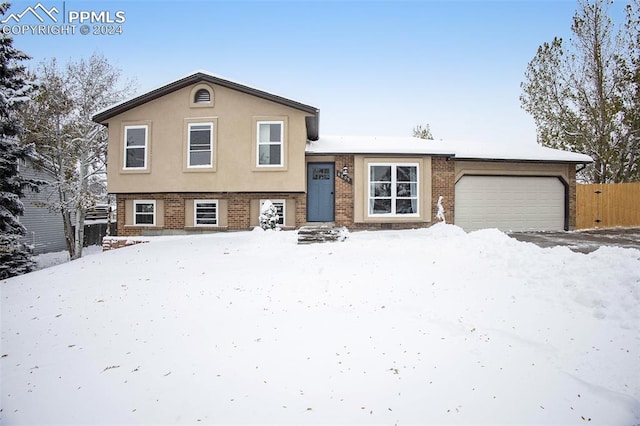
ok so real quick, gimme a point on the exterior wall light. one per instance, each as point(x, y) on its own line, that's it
point(344, 174)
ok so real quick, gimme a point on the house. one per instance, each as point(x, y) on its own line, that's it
point(44, 225)
point(45, 228)
point(203, 153)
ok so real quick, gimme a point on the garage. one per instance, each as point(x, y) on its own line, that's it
point(510, 203)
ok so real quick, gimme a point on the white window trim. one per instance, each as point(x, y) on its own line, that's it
point(393, 190)
point(135, 213)
point(284, 209)
point(195, 213)
point(146, 146)
point(281, 123)
point(203, 166)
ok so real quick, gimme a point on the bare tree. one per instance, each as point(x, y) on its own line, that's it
point(422, 132)
point(68, 143)
point(627, 167)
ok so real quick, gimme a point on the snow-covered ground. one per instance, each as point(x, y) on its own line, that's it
point(47, 260)
point(391, 327)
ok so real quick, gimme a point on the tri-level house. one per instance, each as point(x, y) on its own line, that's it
point(204, 153)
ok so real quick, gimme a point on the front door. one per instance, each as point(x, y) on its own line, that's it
point(320, 187)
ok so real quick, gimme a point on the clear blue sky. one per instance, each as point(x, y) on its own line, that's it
point(372, 68)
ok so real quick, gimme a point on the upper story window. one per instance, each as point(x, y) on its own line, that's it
point(135, 147)
point(200, 145)
point(270, 143)
point(393, 189)
point(202, 96)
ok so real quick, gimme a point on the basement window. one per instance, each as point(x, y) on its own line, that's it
point(205, 212)
point(144, 212)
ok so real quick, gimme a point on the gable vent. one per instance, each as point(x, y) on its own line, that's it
point(202, 96)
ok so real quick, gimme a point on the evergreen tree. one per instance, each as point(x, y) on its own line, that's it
point(15, 256)
point(268, 216)
point(582, 97)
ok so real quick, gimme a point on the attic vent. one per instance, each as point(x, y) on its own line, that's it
point(202, 96)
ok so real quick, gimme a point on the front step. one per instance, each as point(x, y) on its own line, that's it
point(321, 233)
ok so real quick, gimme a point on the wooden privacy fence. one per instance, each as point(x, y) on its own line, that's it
point(607, 205)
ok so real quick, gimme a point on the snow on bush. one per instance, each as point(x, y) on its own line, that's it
point(268, 216)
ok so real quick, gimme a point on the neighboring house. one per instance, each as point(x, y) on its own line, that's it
point(45, 229)
point(203, 153)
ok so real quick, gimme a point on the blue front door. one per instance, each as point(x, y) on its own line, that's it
point(320, 187)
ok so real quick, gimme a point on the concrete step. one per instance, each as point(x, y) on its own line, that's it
point(322, 233)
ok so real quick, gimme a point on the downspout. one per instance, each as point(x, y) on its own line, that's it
point(584, 166)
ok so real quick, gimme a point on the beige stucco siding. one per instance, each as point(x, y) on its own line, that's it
point(234, 116)
point(361, 193)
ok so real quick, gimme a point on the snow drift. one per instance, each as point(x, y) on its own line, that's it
point(425, 326)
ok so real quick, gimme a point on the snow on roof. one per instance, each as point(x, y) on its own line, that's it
point(457, 149)
point(376, 145)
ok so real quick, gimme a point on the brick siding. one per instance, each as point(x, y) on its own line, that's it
point(442, 181)
point(238, 209)
point(344, 193)
point(443, 176)
point(113, 243)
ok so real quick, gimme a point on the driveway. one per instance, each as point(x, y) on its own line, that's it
point(584, 241)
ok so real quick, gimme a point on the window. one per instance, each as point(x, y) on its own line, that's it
point(205, 212)
point(321, 174)
point(135, 147)
point(202, 96)
point(270, 141)
point(393, 189)
point(144, 212)
point(200, 145)
point(280, 207)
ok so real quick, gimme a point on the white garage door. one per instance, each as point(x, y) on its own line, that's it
point(510, 203)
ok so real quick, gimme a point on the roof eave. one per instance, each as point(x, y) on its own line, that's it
point(523, 160)
point(105, 115)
